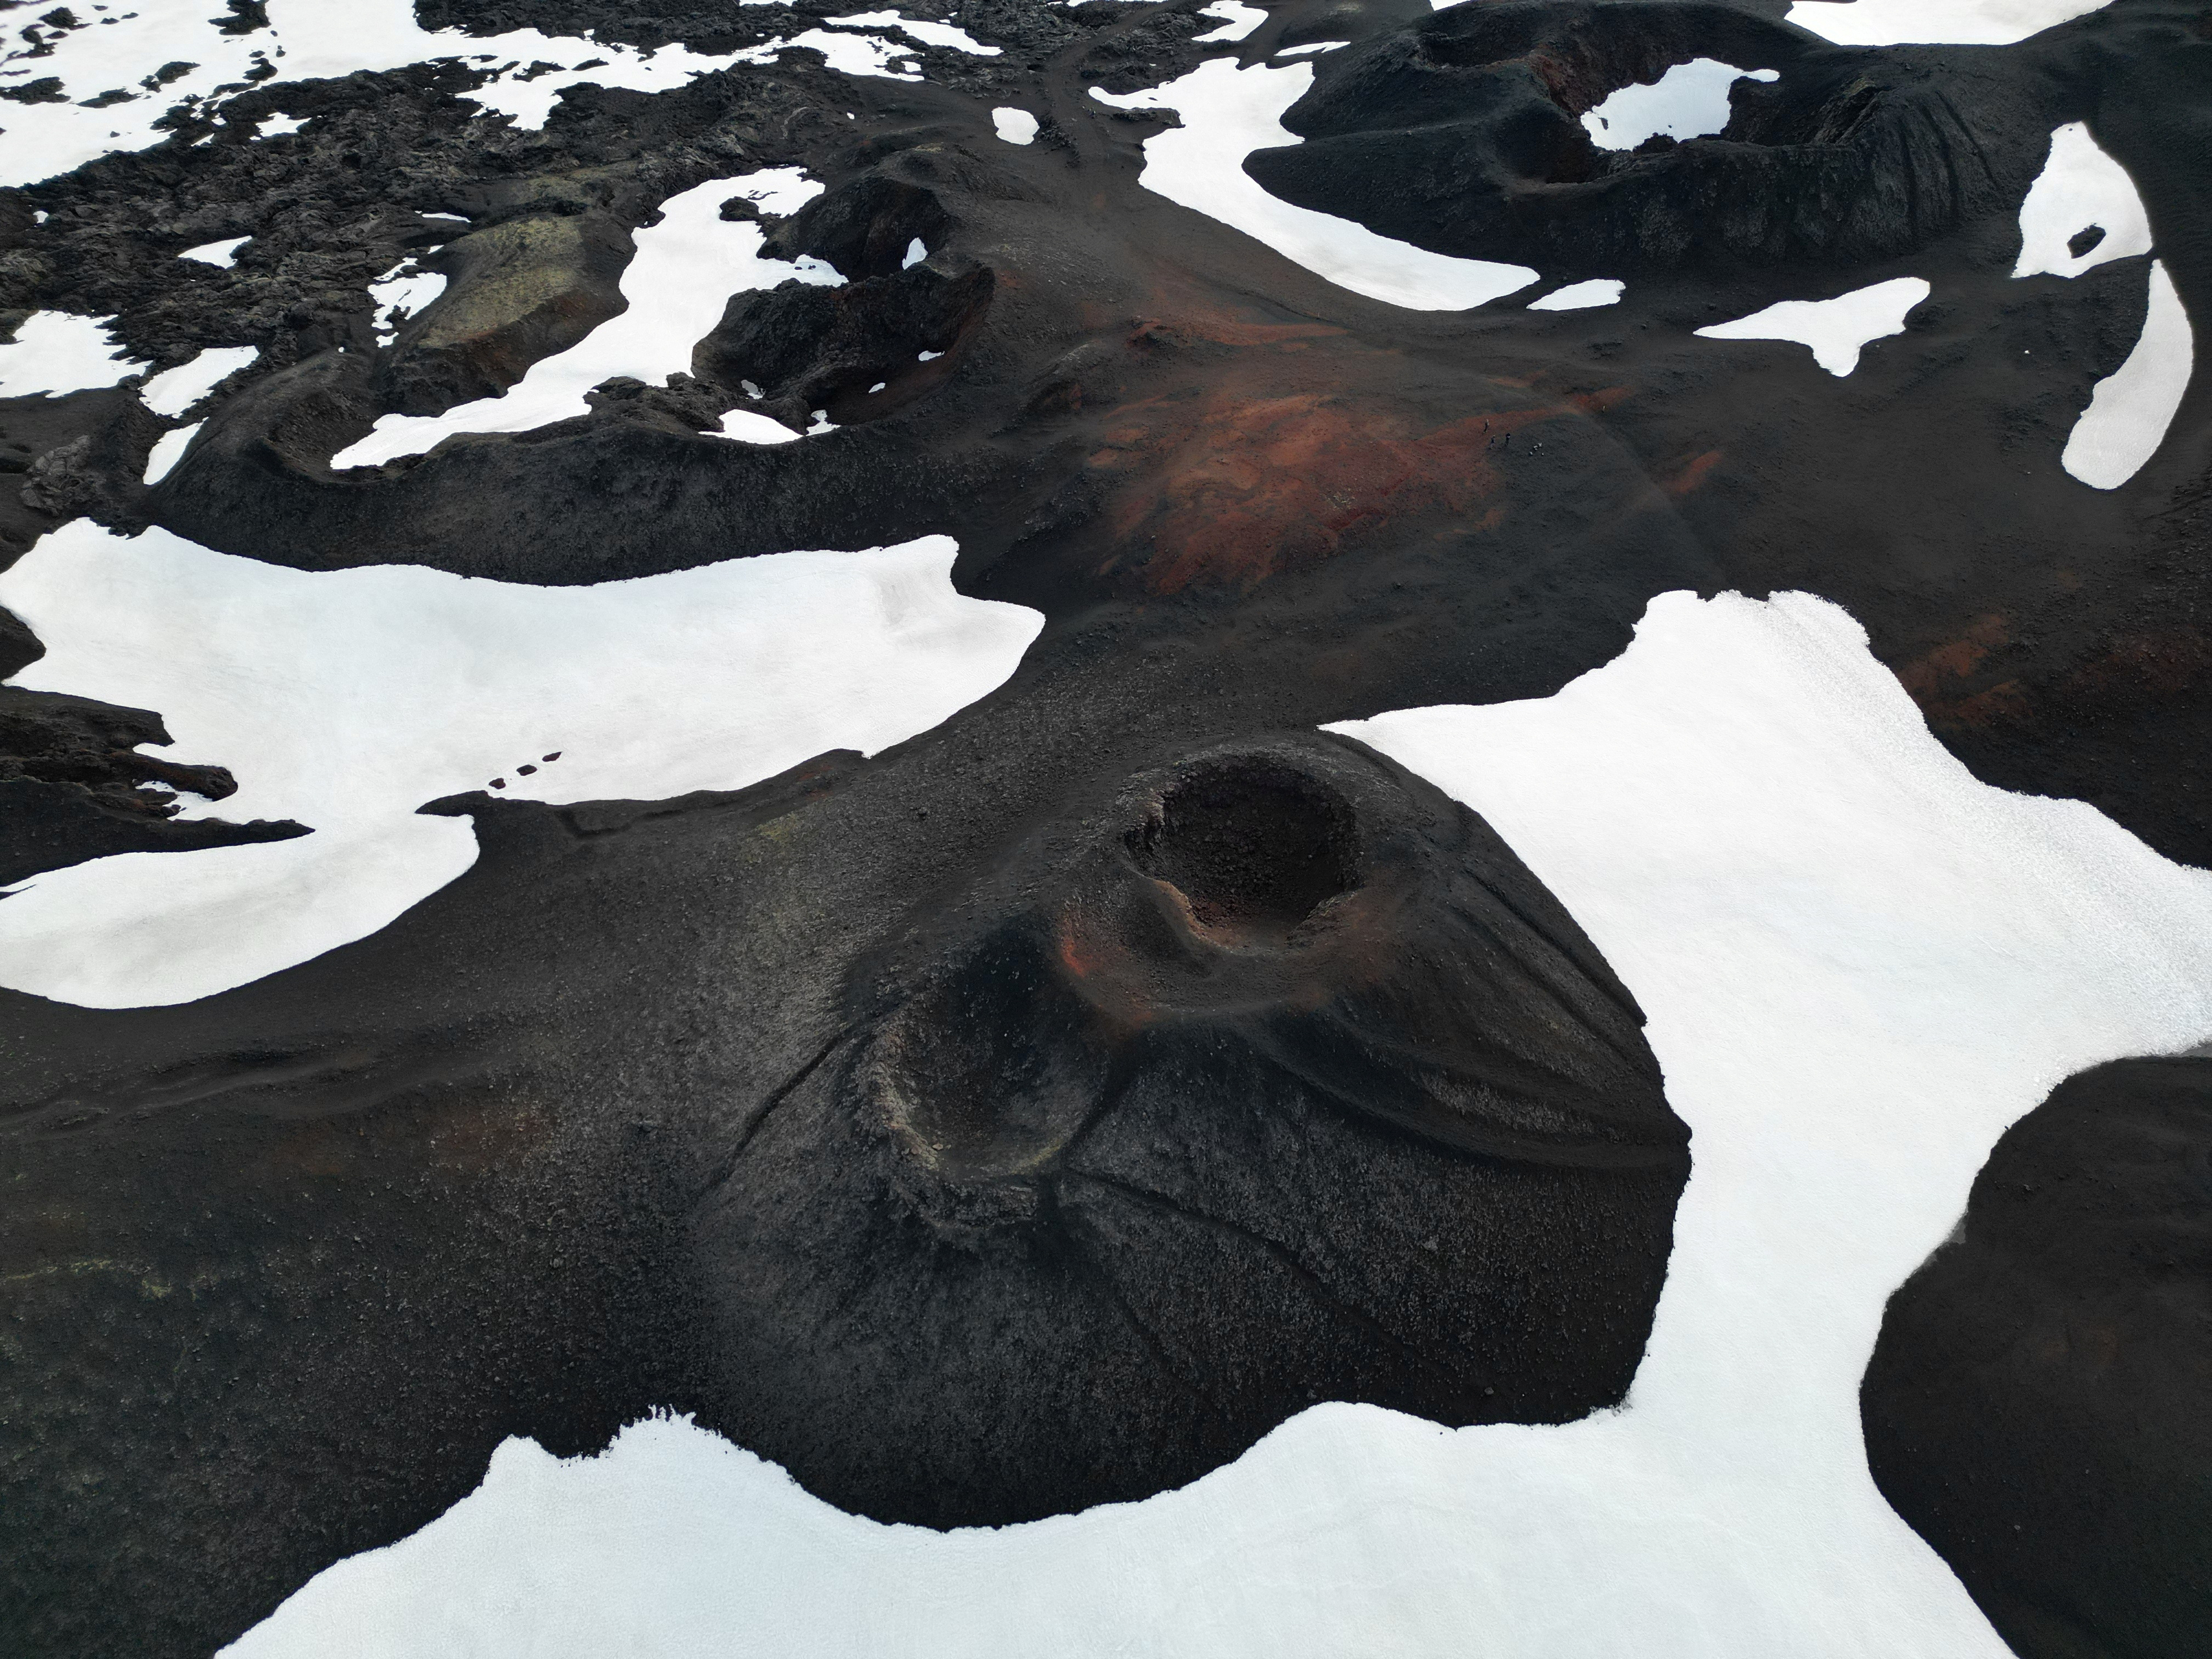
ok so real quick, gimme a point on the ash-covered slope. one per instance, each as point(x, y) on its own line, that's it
point(1041, 1108)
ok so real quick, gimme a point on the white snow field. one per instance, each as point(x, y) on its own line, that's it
point(2079, 188)
point(682, 274)
point(174, 391)
point(1015, 127)
point(1859, 965)
point(2082, 187)
point(1583, 296)
point(1688, 101)
point(2130, 409)
point(1935, 22)
point(309, 39)
point(1227, 113)
point(745, 426)
point(934, 34)
point(346, 699)
point(56, 352)
point(1837, 329)
point(400, 293)
point(223, 254)
point(1239, 20)
point(168, 449)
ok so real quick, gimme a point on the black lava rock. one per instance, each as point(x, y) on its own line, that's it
point(2036, 1407)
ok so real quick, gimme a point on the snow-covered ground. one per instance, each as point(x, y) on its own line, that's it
point(1837, 329)
point(310, 39)
point(2079, 189)
point(1227, 113)
point(2130, 409)
point(1582, 296)
point(168, 449)
point(55, 352)
point(346, 699)
point(223, 254)
point(934, 34)
point(1239, 20)
point(1935, 22)
point(174, 391)
point(400, 293)
point(1859, 965)
point(2081, 192)
point(684, 271)
point(1689, 101)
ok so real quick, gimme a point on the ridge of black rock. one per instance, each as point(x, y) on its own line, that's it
point(1463, 134)
point(73, 786)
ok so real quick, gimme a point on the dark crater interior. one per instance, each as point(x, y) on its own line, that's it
point(1254, 849)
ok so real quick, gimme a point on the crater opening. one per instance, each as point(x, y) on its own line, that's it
point(1254, 845)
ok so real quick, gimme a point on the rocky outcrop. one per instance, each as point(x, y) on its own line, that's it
point(1463, 134)
point(1281, 1079)
point(2035, 1407)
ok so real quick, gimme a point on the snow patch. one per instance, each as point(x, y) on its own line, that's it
point(55, 352)
point(1837, 329)
point(2079, 189)
point(318, 39)
point(2131, 408)
point(1935, 22)
point(400, 294)
point(173, 390)
point(346, 699)
point(1860, 966)
point(935, 34)
point(1241, 21)
point(1227, 113)
point(2083, 194)
point(1311, 45)
point(169, 449)
point(1582, 296)
point(681, 275)
point(1016, 126)
point(847, 54)
point(224, 252)
point(1690, 100)
point(744, 426)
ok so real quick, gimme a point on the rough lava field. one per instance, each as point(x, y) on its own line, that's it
point(1008, 827)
